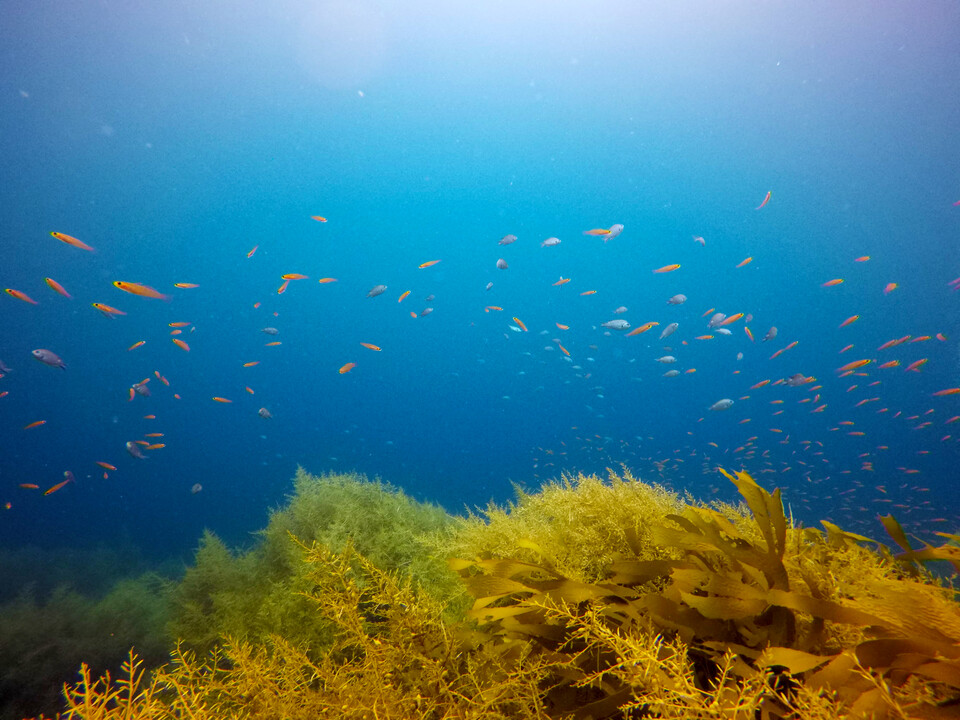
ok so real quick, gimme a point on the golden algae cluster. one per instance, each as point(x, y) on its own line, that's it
point(589, 599)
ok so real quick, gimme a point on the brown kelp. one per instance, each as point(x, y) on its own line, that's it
point(591, 599)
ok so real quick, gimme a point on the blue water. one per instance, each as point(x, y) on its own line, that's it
point(175, 138)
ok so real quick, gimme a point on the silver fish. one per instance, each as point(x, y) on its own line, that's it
point(4, 368)
point(669, 330)
point(677, 300)
point(489, 285)
point(716, 320)
point(798, 379)
point(377, 290)
point(426, 311)
point(615, 324)
point(264, 413)
point(197, 487)
point(722, 404)
point(270, 331)
point(134, 449)
point(501, 264)
point(771, 334)
point(141, 388)
point(666, 359)
point(724, 331)
point(430, 298)
point(550, 242)
point(671, 373)
point(49, 358)
point(507, 239)
point(621, 309)
point(614, 231)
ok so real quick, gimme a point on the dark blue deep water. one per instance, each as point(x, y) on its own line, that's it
point(174, 137)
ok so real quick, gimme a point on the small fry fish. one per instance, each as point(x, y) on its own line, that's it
point(948, 391)
point(889, 288)
point(371, 346)
point(137, 344)
point(186, 286)
point(745, 261)
point(252, 251)
point(403, 296)
point(561, 281)
point(57, 287)
point(217, 398)
point(563, 327)
point(140, 289)
point(105, 465)
point(831, 283)
point(318, 218)
point(58, 485)
point(20, 296)
point(589, 292)
point(251, 364)
point(35, 423)
point(862, 258)
point(30, 486)
point(766, 199)
point(346, 368)
point(427, 264)
point(283, 288)
point(849, 320)
point(72, 241)
point(667, 268)
point(915, 365)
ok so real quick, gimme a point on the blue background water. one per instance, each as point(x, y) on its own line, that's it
point(174, 137)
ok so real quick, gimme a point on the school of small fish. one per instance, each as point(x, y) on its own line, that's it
point(740, 401)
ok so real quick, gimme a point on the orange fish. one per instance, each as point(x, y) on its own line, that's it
point(249, 389)
point(155, 446)
point(180, 324)
point(562, 281)
point(35, 423)
point(488, 308)
point(889, 288)
point(181, 344)
point(596, 231)
point(58, 486)
point(948, 391)
point(72, 241)
point(217, 398)
point(589, 292)
point(916, 365)
point(371, 346)
point(105, 465)
point(894, 343)
point(57, 287)
point(139, 289)
point(251, 364)
point(563, 327)
point(704, 337)
point(745, 261)
point(294, 276)
point(853, 365)
point(283, 288)
point(137, 344)
point(404, 295)
point(922, 338)
point(152, 435)
point(520, 324)
point(272, 344)
point(318, 218)
point(323, 281)
point(347, 368)
point(730, 320)
point(851, 319)
point(749, 334)
point(252, 251)
point(889, 364)
point(862, 258)
point(759, 384)
point(642, 328)
point(186, 286)
point(831, 283)
point(766, 199)
point(428, 264)
point(563, 349)
point(30, 486)
point(107, 310)
point(667, 268)
point(20, 296)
